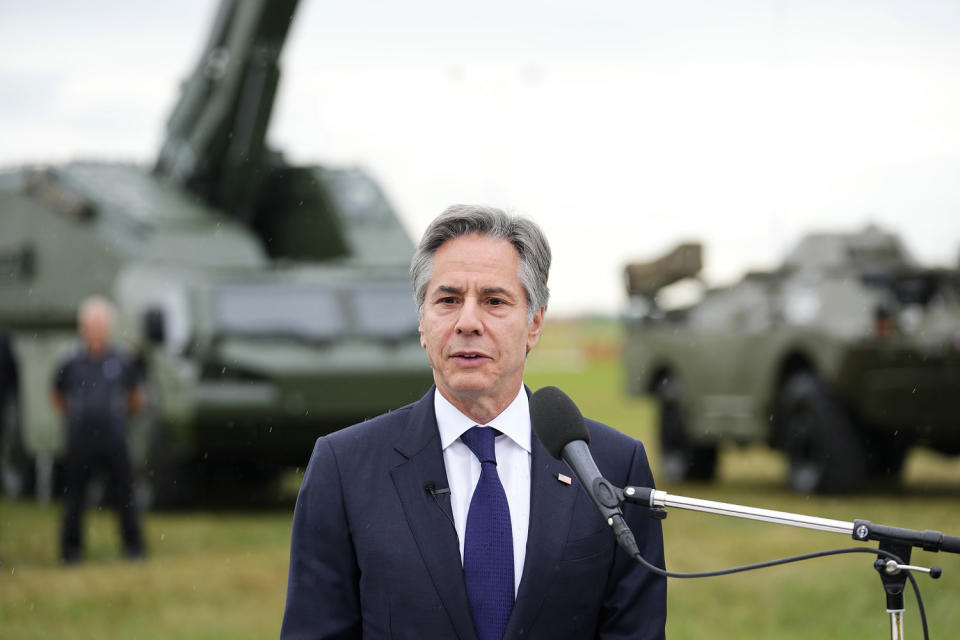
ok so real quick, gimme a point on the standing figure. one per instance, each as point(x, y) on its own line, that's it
point(8, 379)
point(96, 389)
point(447, 518)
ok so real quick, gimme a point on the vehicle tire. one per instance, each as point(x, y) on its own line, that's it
point(826, 455)
point(238, 482)
point(17, 466)
point(680, 460)
point(886, 454)
point(167, 480)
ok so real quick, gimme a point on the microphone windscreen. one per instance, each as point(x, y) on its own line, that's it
point(556, 420)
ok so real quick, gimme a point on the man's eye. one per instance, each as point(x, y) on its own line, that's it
point(496, 301)
point(448, 300)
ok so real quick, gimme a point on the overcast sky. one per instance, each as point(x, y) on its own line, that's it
point(621, 127)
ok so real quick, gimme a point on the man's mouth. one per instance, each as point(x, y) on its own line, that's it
point(468, 356)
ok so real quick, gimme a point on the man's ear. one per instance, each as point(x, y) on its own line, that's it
point(535, 328)
point(423, 342)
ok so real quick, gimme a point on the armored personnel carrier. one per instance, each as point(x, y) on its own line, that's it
point(269, 303)
point(844, 358)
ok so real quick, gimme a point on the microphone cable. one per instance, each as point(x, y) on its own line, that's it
point(431, 488)
point(781, 561)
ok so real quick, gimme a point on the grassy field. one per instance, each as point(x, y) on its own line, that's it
point(223, 574)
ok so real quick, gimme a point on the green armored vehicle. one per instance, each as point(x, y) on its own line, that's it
point(269, 303)
point(845, 357)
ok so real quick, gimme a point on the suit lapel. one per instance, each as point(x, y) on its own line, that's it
point(551, 510)
point(431, 520)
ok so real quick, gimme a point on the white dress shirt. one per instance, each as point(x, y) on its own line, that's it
point(513, 466)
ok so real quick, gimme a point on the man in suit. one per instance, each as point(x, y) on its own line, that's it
point(446, 518)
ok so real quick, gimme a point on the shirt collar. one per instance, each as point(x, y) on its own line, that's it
point(513, 422)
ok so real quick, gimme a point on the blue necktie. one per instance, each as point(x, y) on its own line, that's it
point(488, 543)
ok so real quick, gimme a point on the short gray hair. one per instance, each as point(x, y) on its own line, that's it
point(463, 219)
point(96, 305)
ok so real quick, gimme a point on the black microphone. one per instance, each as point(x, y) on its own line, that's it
point(559, 426)
point(430, 487)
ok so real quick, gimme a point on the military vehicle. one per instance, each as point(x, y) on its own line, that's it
point(844, 357)
point(269, 303)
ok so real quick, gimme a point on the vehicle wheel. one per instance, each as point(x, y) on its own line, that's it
point(886, 454)
point(238, 482)
point(680, 460)
point(826, 455)
point(167, 481)
point(17, 466)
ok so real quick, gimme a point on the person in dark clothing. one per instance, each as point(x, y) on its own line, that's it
point(96, 389)
point(8, 378)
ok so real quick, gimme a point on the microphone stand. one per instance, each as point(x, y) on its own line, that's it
point(892, 540)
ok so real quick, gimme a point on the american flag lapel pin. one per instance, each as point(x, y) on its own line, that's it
point(565, 479)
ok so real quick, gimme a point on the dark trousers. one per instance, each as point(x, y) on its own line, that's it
point(84, 457)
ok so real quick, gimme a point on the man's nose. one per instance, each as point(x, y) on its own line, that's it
point(469, 320)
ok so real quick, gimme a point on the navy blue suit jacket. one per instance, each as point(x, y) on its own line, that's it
point(375, 555)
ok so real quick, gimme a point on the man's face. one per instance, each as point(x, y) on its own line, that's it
point(474, 324)
point(95, 328)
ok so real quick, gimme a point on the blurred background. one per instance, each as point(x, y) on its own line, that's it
point(623, 129)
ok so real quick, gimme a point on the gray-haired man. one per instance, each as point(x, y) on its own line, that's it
point(96, 388)
point(446, 519)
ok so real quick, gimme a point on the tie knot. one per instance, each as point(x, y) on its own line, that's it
point(480, 440)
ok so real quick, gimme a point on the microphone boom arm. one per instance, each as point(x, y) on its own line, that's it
point(861, 530)
point(893, 540)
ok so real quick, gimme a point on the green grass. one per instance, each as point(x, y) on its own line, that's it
point(223, 574)
point(208, 575)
